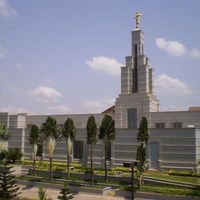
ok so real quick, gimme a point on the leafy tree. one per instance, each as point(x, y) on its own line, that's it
point(8, 187)
point(91, 139)
point(65, 193)
point(143, 138)
point(107, 133)
point(34, 139)
point(50, 133)
point(13, 155)
point(69, 132)
point(4, 135)
point(143, 131)
point(42, 193)
point(3, 155)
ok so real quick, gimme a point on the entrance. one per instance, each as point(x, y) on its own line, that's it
point(154, 155)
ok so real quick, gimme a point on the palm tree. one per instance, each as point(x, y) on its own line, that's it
point(4, 135)
point(107, 133)
point(34, 140)
point(50, 133)
point(69, 132)
point(91, 139)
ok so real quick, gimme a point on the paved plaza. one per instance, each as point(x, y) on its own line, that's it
point(32, 192)
point(53, 193)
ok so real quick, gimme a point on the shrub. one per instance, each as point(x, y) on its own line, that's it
point(9, 189)
point(42, 193)
point(65, 193)
point(121, 169)
point(13, 155)
point(183, 173)
point(171, 191)
point(3, 155)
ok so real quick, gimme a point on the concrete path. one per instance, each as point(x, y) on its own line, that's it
point(32, 192)
point(52, 193)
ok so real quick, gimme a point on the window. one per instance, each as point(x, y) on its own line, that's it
point(160, 125)
point(177, 125)
point(132, 118)
point(78, 149)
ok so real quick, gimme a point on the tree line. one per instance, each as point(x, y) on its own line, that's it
point(50, 132)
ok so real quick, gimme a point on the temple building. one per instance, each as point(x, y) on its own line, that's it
point(174, 135)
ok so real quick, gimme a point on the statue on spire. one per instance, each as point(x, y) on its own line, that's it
point(137, 18)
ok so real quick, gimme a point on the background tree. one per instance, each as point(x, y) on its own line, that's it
point(65, 193)
point(69, 132)
point(143, 138)
point(13, 155)
point(34, 141)
point(91, 139)
point(50, 133)
point(3, 156)
point(8, 186)
point(107, 134)
point(4, 135)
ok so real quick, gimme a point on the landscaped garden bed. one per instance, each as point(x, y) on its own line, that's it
point(119, 178)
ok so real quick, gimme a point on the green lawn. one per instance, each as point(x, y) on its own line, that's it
point(77, 168)
point(162, 175)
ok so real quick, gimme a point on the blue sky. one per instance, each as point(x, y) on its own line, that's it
point(62, 56)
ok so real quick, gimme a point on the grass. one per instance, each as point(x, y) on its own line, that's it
point(74, 182)
point(171, 191)
point(152, 188)
point(167, 190)
point(166, 176)
point(158, 188)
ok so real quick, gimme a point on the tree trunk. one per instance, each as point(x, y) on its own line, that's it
point(140, 179)
point(105, 161)
point(68, 174)
point(34, 165)
point(91, 162)
point(51, 173)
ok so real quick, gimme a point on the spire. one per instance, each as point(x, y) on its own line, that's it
point(137, 19)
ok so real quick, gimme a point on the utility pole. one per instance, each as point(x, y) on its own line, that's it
point(132, 165)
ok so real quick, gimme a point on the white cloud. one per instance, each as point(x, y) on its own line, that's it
point(2, 53)
point(45, 94)
point(6, 10)
point(174, 48)
point(19, 66)
point(105, 64)
point(15, 110)
point(167, 86)
point(59, 109)
point(195, 53)
point(94, 106)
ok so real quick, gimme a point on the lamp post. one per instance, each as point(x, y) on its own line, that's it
point(132, 165)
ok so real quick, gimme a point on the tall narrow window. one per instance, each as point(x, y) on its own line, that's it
point(78, 149)
point(134, 73)
point(160, 125)
point(132, 118)
point(177, 125)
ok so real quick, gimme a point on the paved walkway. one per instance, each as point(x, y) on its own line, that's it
point(52, 193)
point(32, 192)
